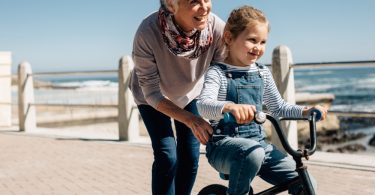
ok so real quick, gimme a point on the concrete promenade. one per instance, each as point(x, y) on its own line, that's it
point(35, 164)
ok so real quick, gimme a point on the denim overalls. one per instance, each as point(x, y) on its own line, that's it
point(241, 150)
point(243, 88)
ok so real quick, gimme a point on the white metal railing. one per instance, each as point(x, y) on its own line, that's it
point(128, 122)
point(128, 129)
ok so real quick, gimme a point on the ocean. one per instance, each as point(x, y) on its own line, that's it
point(353, 87)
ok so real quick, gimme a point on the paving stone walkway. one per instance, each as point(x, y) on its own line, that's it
point(31, 164)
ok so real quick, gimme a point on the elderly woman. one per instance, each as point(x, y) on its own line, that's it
point(172, 50)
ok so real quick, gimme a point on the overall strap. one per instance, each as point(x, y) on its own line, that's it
point(232, 74)
point(222, 66)
point(260, 65)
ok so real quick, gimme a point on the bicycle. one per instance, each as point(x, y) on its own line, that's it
point(303, 176)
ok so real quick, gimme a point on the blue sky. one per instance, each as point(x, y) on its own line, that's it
point(93, 34)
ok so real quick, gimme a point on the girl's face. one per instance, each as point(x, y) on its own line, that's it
point(192, 14)
point(248, 46)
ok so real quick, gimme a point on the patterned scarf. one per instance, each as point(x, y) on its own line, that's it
point(188, 45)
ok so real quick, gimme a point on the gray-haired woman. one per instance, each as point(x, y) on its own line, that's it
point(172, 50)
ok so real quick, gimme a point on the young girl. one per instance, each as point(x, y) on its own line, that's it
point(240, 86)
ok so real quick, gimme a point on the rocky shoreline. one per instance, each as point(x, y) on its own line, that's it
point(343, 140)
point(337, 133)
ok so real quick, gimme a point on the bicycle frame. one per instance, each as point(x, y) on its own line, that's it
point(303, 176)
point(296, 154)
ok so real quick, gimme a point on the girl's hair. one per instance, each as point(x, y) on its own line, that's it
point(164, 4)
point(242, 17)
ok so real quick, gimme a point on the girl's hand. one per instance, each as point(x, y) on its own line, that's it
point(322, 109)
point(243, 113)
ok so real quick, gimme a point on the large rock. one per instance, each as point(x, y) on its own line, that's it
point(314, 98)
point(331, 123)
point(372, 141)
point(350, 148)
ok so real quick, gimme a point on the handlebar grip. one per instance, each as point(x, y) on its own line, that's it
point(260, 117)
point(229, 118)
point(318, 115)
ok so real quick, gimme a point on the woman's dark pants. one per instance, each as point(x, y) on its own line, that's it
point(175, 163)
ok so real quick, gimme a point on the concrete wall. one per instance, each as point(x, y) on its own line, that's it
point(283, 74)
point(5, 89)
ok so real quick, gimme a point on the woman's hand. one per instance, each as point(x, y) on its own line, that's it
point(201, 129)
point(322, 109)
point(243, 113)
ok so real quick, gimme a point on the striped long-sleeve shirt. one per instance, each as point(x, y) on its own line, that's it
point(213, 96)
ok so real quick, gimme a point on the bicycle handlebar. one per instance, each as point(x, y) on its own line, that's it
point(313, 116)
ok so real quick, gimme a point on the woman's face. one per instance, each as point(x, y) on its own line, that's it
point(192, 14)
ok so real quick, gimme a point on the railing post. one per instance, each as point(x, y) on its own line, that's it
point(128, 117)
point(282, 71)
point(5, 92)
point(26, 112)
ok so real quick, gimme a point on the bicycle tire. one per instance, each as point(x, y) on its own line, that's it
point(213, 189)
